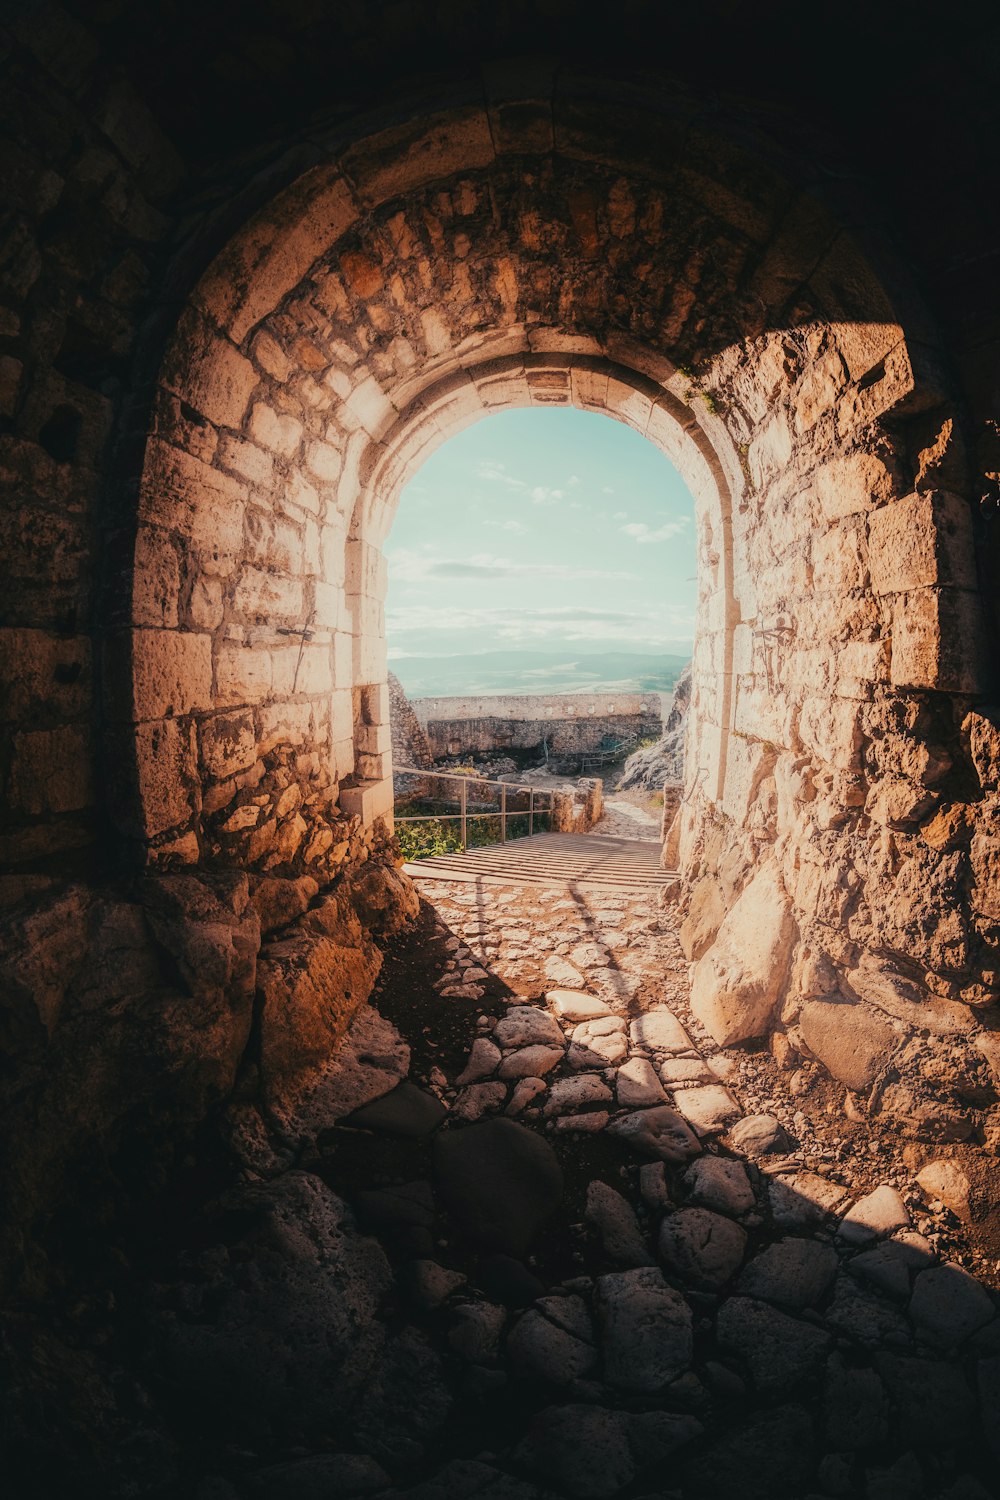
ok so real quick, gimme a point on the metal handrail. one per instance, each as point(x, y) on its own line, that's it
point(463, 815)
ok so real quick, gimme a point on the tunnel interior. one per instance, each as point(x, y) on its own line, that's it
point(238, 315)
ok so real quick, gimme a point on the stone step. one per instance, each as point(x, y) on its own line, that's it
point(554, 860)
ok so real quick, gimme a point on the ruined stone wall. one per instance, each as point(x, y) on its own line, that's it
point(562, 736)
point(409, 742)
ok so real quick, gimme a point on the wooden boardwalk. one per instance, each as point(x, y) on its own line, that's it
point(554, 859)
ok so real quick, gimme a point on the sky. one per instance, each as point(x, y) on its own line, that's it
point(541, 528)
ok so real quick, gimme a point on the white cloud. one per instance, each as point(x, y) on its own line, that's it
point(496, 473)
point(408, 566)
point(620, 515)
point(515, 527)
point(573, 481)
point(644, 534)
point(543, 495)
point(607, 490)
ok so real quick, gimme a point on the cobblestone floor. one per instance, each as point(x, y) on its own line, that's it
point(642, 1265)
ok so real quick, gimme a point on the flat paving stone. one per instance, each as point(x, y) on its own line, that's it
point(614, 1220)
point(660, 1030)
point(637, 1085)
point(708, 1109)
point(530, 1062)
point(527, 1026)
point(877, 1213)
point(576, 1005)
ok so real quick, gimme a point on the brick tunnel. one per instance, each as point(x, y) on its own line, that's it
point(255, 269)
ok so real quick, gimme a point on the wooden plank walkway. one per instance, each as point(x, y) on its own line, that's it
point(554, 859)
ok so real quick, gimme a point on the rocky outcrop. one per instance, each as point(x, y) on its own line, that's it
point(649, 768)
point(736, 986)
point(410, 746)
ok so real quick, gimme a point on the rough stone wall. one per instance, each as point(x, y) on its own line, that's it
point(563, 736)
point(409, 742)
point(663, 761)
point(570, 239)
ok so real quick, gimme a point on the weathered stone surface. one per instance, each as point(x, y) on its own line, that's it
point(645, 1330)
point(554, 1340)
point(715, 1183)
point(483, 1060)
point(708, 1108)
point(525, 1026)
point(568, 1094)
point(794, 1273)
point(779, 1351)
point(660, 1030)
point(303, 1330)
point(735, 986)
point(703, 1248)
point(759, 1135)
point(637, 1085)
point(617, 1227)
point(530, 1062)
point(500, 1181)
point(479, 1099)
point(856, 1409)
point(405, 1111)
point(659, 1132)
point(849, 1040)
point(948, 1305)
point(946, 1182)
point(583, 1450)
point(877, 1213)
point(576, 1005)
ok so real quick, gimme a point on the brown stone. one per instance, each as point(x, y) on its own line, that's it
point(851, 1043)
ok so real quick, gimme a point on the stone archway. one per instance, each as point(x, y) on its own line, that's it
point(515, 253)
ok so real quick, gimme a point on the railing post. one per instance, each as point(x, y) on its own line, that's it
point(531, 811)
point(463, 804)
point(503, 812)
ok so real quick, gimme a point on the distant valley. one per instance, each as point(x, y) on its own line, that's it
point(537, 672)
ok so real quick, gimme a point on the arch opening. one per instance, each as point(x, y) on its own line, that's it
point(376, 309)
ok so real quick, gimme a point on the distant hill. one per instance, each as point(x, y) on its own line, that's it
point(537, 672)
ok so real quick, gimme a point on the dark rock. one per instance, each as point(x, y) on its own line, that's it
point(948, 1305)
point(554, 1340)
point(645, 1330)
point(509, 1281)
point(794, 1273)
point(319, 1477)
point(584, 1450)
point(406, 1110)
point(855, 1406)
point(703, 1248)
point(405, 1403)
point(932, 1404)
point(291, 1345)
point(779, 1351)
point(499, 1181)
point(770, 1456)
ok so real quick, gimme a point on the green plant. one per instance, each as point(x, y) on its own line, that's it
point(429, 837)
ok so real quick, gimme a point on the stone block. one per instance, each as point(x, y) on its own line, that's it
point(209, 373)
point(852, 483)
point(407, 156)
point(921, 541)
point(50, 771)
point(278, 432)
point(938, 641)
point(242, 675)
point(368, 800)
point(171, 673)
point(157, 581)
point(202, 505)
point(167, 770)
point(245, 459)
point(263, 597)
point(850, 1041)
point(831, 729)
point(228, 744)
point(42, 674)
point(737, 985)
